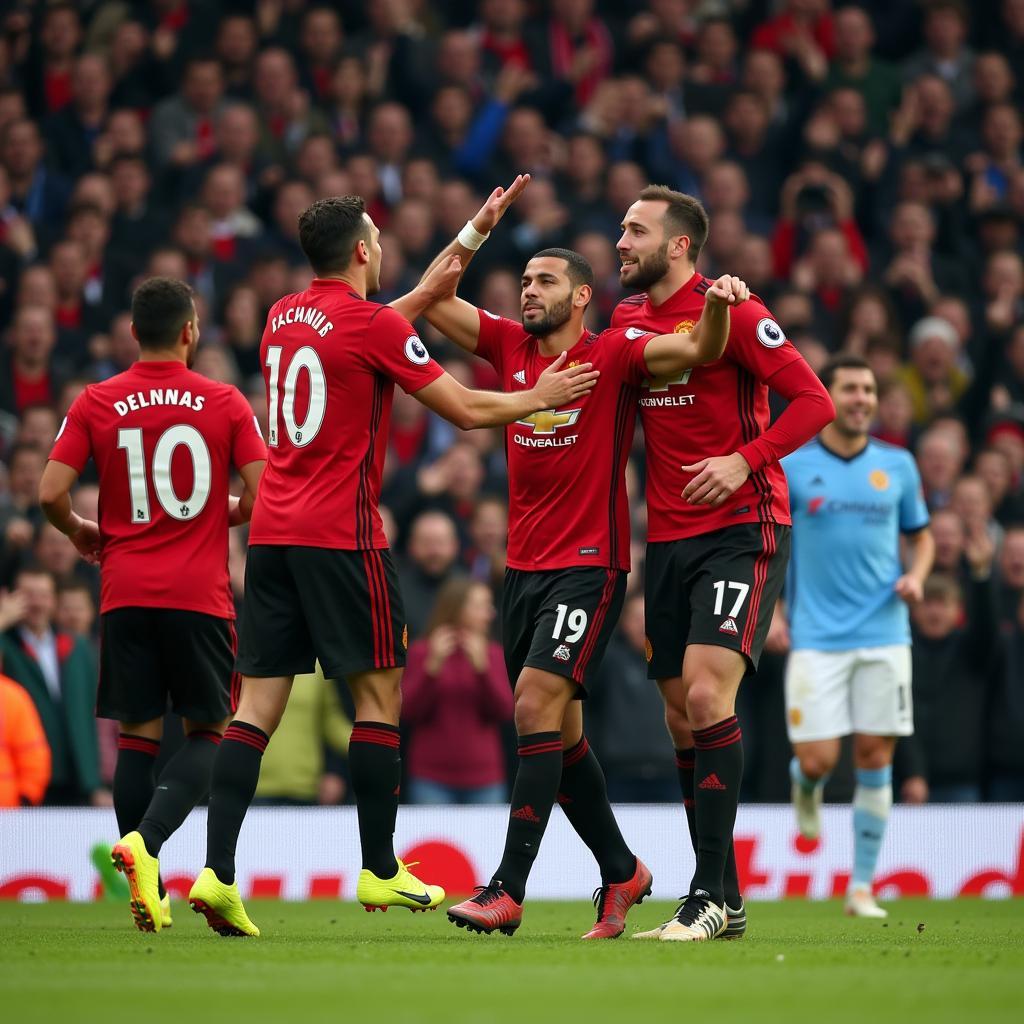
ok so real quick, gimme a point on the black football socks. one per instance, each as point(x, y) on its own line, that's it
point(584, 798)
point(236, 770)
point(684, 763)
point(375, 765)
point(184, 781)
point(533, 795)
point(133, 779)
point(718, 772)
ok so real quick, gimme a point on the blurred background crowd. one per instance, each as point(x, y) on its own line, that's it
point(862, 166)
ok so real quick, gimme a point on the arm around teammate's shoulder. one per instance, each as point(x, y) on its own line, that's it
point(669, 354)
point(469, 409)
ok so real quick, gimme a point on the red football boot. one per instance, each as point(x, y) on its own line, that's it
point(613, 903)
point(491, 908)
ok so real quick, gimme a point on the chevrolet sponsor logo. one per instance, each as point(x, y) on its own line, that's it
point(547, 421)
point(664, 383)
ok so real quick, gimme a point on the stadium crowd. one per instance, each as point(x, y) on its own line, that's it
point(863, 168)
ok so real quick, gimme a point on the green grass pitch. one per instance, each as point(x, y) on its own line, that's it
point(327, 961)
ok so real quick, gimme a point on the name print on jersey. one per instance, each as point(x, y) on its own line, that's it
point(309, 315)
point(159, 396)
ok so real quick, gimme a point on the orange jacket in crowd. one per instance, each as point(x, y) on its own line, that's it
point(24, 752)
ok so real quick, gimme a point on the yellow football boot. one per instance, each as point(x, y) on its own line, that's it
point(404, 890)
point(165, 910)
point(221, 905)
point(142, 870)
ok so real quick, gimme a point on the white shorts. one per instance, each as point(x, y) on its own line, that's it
point(834, 693)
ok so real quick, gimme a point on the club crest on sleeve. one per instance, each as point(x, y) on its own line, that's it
point(769, 333)
point(562, 653)
point(415, 351)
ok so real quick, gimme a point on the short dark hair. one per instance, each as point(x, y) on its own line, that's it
point(161, 306)
point(685, 215)
point(841, 362)
point(329, 231)
point(578, 267)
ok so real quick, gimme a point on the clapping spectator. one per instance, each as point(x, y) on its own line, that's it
point(456, 699)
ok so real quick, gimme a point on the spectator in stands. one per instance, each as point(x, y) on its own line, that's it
point(945, 52)
point(855, 66)
point(431, 557)
point(36, 191)
point(30, 376)
point(955, 656)
point(307, 765)
point(285, 112)
point(72, 132)
point(24, 752)
point(625, 718)
point(1006, 717)
point(59, 672)
point(455, 699)
point(181, 130)
point(934, 377)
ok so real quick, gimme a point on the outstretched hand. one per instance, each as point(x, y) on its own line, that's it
point(498, 202)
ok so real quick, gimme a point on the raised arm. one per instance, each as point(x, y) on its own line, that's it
point(454, 317)
point(469, 409)
point(669, 354)
point(435, 296)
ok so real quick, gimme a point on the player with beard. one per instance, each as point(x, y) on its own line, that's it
point(165, 441)
point(319, 580)
point(568, 550)
point(718, 528)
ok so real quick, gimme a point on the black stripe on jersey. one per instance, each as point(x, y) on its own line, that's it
point(702, 286)
point(745, 404)
point(627, 396)
point(634, 300)
point(745, 388)
point(364, 512)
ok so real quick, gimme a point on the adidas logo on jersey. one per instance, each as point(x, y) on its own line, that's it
point(729, 626)
point(562, 653)
point(817, 482)
point(519, 376)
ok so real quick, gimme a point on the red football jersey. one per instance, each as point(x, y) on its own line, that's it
point(164, 440)
point(711, 410)
point(331, 361)
point(566, 467)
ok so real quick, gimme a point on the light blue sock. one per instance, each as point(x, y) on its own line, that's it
point(796, 774)
point(872, 801)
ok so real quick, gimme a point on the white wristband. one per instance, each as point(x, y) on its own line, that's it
point(470, 238)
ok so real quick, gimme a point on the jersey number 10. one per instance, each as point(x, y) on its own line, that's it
point(300, 434)
point(130, 439)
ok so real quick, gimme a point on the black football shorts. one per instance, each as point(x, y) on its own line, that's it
point(718, 588)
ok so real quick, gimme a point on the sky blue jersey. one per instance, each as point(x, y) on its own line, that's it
point(848, 515)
